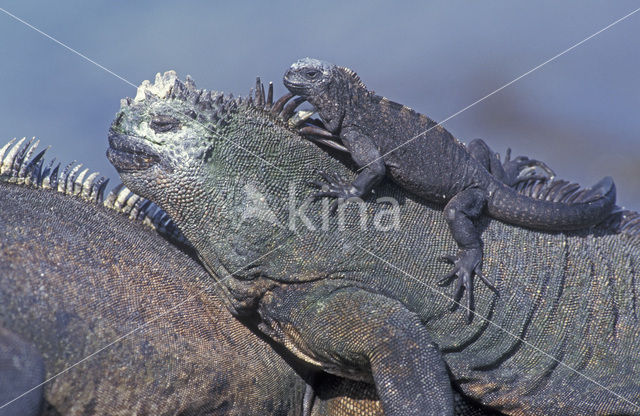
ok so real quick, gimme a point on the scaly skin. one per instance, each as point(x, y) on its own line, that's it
point(387, 138)
point(21, 368)
point(75, 277)
point(76, 274)
point(363, 303)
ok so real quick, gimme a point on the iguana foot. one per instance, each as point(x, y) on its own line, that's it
point(522, 169)
point(511, 172)
point(312, 129)
point(334, 187)
point(466, 264)
point(322, 136)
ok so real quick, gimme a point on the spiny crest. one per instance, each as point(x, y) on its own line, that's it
point(17, 166)
point(620, 220)
point(218, 108)
point(213, 106)
point(166, 85)
point(557, 190)
point(624, 221)
point(137, 208)
point(352, 75)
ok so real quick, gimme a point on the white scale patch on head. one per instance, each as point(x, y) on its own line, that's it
point(144, 130)
point(160, 88)
point(313, 63)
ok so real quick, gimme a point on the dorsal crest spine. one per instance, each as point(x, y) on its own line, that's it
point(352, 74)
point(620, 220)
point(18, 167)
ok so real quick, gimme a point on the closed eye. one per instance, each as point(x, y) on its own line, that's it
point(162, 123)
point(312, 73)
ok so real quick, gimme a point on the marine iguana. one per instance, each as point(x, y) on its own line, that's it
point(21, 368)
point(385, 138)
point(78, 270)
point(77, 274)
point(371, 311)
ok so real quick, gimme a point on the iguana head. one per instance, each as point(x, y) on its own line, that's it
point(215, 164)
point(310, 77)
point(331, 89)
point(165, 135)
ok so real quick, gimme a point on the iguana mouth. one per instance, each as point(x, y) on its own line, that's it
point(295, 87)
point(288, 83)
point(129, 153)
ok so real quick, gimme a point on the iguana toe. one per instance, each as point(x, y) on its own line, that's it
point(466, 265)
point(478, 273)
point(334, 188)
point(522, 168)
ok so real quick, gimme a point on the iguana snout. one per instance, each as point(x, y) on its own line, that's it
point(128, 153)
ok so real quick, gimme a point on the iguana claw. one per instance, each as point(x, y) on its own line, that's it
point(334, 188)
point(522, 169)
point(466, 264)
point(299, 118)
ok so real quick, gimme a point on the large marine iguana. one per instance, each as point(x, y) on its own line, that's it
point(79, 271)
point(387, 138)
point(561, 340)
point(21, 368)
point(76, 274)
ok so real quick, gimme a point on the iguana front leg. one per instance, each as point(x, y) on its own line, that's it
point(365, 154)
point(361, 335)
point(459, 213)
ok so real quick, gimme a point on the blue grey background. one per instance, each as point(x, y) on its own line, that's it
point(578, 113)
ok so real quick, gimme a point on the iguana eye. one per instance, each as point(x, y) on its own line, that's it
point(312, 73)
point(162, 123)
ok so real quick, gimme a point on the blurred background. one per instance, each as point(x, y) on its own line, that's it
point(578, 113)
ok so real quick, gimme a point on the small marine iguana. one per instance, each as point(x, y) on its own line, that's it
point(562, 340)
point(387, 138)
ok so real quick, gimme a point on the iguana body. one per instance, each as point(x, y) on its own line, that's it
point(363, 303)
point(76, 275)
point(387, 138)
point(21, 368)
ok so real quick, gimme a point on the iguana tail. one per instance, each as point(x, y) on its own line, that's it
point(557, 205)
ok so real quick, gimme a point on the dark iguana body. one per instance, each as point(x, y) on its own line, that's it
point(76, 274)
point(386, 138)
point(21, 368)
point(363, 303)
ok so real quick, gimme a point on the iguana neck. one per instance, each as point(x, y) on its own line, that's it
point(343, 92)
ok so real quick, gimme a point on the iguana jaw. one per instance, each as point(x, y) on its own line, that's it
point(129, 153)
